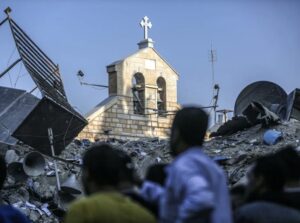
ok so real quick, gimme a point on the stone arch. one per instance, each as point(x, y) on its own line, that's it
point(138, 92)
point(161, 96)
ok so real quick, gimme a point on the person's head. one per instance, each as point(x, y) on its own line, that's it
point(3, 171)
point(291, 159)
point(237, 195)
point(127, 173)
point(102, 168)
point(266, 176)
point(188, 129)
point(156, 173)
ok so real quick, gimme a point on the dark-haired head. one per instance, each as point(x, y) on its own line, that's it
point(188, 129)
point(272, 170)
point(127, 174)
point(102, 168)
point(266, 177)
point(3, 171)
point(291, 159)
point(156, 173)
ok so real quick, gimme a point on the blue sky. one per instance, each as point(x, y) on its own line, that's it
point(255, 40)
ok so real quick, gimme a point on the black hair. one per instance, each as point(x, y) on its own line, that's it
point(104, 164)
point(238, 190)
point(127, 167)
point(192, 123)
point(291, 159)
point(156, 173)
point(273, 171)
point(3, 171)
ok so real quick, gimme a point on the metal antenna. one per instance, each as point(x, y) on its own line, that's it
point(212, 59)
point(215, 87)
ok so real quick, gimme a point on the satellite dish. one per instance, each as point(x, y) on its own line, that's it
point(265, 92)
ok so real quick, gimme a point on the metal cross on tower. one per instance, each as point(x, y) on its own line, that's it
point(145, 23)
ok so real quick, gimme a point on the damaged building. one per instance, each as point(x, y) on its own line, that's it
point(142, 96)
point(142, 102)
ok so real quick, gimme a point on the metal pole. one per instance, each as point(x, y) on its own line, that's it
point(50, 136)
point(216, 97)
point(215, 115)
point(94, 85)
point(1, 23)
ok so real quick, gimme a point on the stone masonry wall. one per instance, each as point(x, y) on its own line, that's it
point(119, 118)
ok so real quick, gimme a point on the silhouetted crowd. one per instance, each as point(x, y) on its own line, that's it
point(191, 189)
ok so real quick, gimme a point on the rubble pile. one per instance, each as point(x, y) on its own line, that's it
point(238, 151)
point(37, 197)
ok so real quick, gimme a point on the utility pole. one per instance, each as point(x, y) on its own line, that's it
point(215, 87)
point(212, 59)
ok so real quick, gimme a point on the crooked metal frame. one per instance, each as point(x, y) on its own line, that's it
point(44, 72)
point(46, 76)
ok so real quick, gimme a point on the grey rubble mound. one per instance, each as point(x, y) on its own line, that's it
point(241, 149)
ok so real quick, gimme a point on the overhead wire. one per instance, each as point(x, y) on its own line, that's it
point(17, 78)
point(9, 59)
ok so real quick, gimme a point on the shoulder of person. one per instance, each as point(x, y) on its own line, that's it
point(8, 212)
point(268, 211)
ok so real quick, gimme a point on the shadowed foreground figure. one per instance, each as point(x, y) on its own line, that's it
point(129, 181)
point(152, 187)
point(195, 189)
point(8, 214)
point(291, 159)
point(102, 171)
point(267, 202)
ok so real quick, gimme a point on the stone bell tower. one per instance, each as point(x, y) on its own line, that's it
point(142, 95)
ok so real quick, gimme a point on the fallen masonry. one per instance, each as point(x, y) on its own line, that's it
point(38, 198)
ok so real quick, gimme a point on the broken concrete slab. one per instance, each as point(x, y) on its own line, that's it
point(293, 105)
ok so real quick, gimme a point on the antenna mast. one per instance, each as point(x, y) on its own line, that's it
point(215, 87)
point(212, 59)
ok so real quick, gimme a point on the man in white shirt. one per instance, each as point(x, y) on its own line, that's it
point(195, 188)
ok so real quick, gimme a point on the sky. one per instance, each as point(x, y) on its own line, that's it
point(254, 40)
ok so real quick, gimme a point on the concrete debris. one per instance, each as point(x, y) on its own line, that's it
point(37, 196)
point(46, 210)
point(244, 147)
point(11, 156)
point(293, 105)
point(41, 188)
point(255, 113)
point(258, 113)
